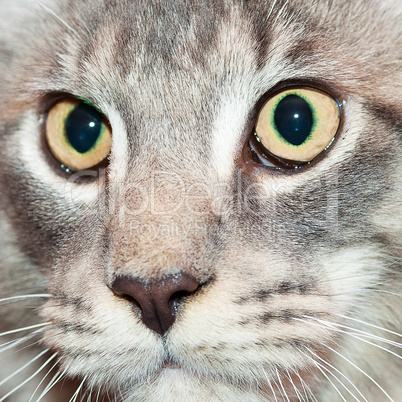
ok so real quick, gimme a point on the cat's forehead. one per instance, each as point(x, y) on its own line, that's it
point(113, 41)
point(180, 66)
point(181, 78)
point(172, 72)
point(144, 50)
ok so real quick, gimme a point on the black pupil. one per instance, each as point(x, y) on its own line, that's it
point(293, 119)
point(83, 127)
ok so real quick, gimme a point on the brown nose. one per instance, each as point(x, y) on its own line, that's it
point(158, 301)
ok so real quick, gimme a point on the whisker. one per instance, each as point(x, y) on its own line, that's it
point(370, 325)
point(279, 389)
point(342, 278)
point(281, 11)
point(302, 385)
point(29, 378)
point(353, 335)
point(306, 388)
point(25, 297)
point(367, 334)
point(41, 382)
point(339, 372)
point(12, 344)
point(325, 375)
point(75, 396)
point(271, 387)
point(120, 393)
point(297, 392)
point(56, 378)
point(14, 331)
point(383, 291)
point(90, 393)
point(56, 17)
point(280, 383)
point(98, 394)
point(23, 367)
point(352, 292)
point(374, 344)
point(317, 363)
point(360, 370)
point(35, 343)
point(271, 9)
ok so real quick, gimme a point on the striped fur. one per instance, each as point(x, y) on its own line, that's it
point(300, 266)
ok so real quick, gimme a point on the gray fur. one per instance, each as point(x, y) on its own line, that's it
point(280, 251)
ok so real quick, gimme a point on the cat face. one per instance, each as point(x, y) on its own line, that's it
point(189, 251)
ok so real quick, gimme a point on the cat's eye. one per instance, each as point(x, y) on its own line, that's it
point(77, 134)
point(295, 125)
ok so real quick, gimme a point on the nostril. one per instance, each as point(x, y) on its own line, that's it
point(158, 301)
point(132, 300)
point(179, 296)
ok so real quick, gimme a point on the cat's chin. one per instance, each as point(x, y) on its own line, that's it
point(173, 383)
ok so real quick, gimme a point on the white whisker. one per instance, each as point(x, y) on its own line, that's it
point(382, 291)
point(366, 334)
point(24, 297)
point(271, 9)
point(14, 331)
point(56, 378)
point(271, 387)
point(280, 383)
point(306, 388)
point(339, 372)
point(303, 387)
point(325, 375)
point(12, 344)
point(373, 344)
point(357, 291)
point(279, 389)
point(297, 392)
point(42, 381)
point(23, 367)
point(281, 11)
point(56, 17)
point(341, 278)
point(318, 365)
point(370, 325)
point(90, 394)
point(75, 396)
point(353, 335)
point(29, 378)
point(98, 394)
point(360, 370)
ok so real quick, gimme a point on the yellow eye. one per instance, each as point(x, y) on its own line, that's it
point(77, 134)
point(298, 124)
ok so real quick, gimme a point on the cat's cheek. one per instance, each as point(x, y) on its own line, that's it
point(93, 332)
point(66, 205)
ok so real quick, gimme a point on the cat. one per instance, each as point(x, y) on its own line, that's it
point(200, 200)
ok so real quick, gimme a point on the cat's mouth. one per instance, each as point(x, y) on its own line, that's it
point(171, 368)
point(170, 365)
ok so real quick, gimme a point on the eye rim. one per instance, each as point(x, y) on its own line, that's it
point(280, 166)
point(47, 102)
